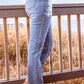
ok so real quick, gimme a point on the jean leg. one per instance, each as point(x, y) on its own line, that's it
point(39, 26)
point(47, 46)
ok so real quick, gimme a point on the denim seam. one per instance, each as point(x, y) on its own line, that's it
point(38, 41)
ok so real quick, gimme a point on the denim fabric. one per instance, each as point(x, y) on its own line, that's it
point(40, 43)
point(47, 4)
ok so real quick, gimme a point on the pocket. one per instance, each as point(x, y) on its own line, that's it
point(48, 8)
point(29, 4)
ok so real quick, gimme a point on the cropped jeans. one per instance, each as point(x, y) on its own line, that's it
point(41, 41)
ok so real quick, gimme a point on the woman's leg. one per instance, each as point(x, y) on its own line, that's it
point(39, 28)
point(38, 32)
point(47, 46)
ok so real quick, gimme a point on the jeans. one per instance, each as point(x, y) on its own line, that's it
point(41, 41)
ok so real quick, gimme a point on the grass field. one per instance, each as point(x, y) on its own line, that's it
point(55, 54)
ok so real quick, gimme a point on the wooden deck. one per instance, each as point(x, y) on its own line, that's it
point(57, 10)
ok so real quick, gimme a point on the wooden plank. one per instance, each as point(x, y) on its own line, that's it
point(60, 42)
point(28, 33)
point(51, 63)
point(13, 13)
point(68, 5)
point(57, 9)
point(55, 77)
point(69, 41)
point(6, 48)
point(79, 41)
point(11, 7)
point(67, 11)
point(16, 81)
point(17, 48)
point(63, 76)
point(28, 29)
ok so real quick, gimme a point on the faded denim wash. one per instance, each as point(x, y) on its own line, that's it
point(41, 41)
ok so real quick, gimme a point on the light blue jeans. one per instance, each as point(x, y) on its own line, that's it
point(41, 41)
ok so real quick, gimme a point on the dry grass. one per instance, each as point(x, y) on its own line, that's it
point(55, 54)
